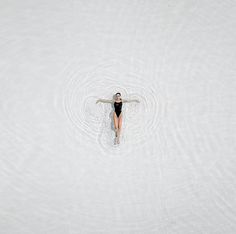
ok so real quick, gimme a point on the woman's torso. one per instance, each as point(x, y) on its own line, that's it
point(118, 106)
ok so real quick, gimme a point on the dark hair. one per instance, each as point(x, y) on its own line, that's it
point(118, 93)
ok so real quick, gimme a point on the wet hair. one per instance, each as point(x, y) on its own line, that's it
point(118, 93)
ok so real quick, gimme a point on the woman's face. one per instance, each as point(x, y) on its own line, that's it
point(118, 96)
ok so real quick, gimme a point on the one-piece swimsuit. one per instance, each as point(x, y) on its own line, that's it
point(118, 108)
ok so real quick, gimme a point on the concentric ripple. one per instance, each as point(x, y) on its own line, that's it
point(83, 86)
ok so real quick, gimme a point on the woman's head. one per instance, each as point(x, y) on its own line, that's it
point(118, 95)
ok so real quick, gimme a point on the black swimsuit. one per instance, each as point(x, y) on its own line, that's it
point(118, 107)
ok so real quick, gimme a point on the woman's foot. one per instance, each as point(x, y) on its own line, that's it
point(118, 140)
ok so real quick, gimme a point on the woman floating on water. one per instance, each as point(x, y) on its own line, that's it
point(117, 115)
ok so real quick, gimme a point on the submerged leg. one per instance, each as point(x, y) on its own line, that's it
point(115, 123)
point(119, 128)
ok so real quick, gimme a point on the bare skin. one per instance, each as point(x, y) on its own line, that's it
point(117, 120)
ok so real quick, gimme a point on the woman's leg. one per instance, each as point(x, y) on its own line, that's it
point(119, 124)
point(115, 123)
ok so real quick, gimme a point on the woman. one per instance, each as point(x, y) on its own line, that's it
point(117, 114)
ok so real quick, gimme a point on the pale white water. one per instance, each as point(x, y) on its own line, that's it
point(174, 170)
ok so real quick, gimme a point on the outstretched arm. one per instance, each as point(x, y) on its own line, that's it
point(131, 100)
point(104, 100)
